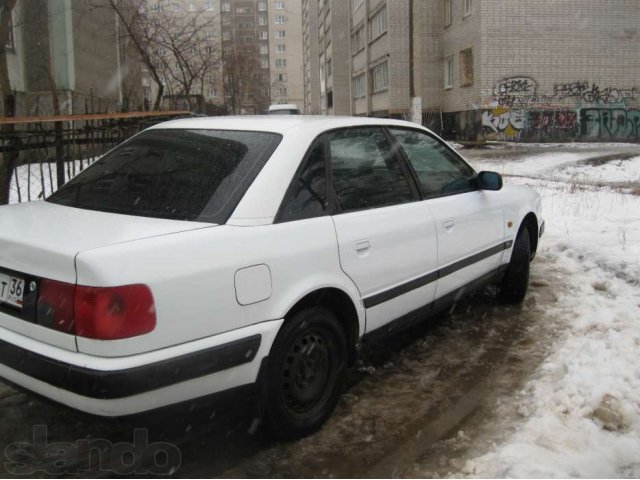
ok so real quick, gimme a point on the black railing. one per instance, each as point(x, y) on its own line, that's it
point(40, 153)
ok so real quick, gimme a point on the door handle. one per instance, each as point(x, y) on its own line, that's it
point(448, 223)
point(362, 247)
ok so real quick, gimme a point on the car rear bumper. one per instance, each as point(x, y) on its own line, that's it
point(230, 360)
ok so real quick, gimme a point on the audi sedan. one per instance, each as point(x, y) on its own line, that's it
point(248, 254)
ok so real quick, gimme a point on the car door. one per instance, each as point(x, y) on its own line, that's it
point(386, 236)
point(469, 221)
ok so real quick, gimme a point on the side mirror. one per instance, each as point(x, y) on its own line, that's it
point(489, 181)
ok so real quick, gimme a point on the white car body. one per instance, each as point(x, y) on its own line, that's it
point(229, 288)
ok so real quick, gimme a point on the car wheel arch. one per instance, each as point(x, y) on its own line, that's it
point(530, 222)
point(343, 307)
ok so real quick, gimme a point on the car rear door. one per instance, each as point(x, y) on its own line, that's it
point(386, 236)
point(469, 221)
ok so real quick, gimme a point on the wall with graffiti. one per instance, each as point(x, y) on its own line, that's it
point(518, 111)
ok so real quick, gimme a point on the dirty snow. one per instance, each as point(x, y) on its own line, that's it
point(582, 407)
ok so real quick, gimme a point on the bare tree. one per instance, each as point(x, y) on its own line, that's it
point(176, 46)
point(9, 158)
point(243, 83)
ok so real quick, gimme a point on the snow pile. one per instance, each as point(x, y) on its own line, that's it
point(582, 409)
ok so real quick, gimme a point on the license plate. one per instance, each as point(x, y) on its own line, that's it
point(11, 290)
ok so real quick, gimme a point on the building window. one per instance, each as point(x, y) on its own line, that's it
point(264, 63)
point(379, 23)
point(466, 67)
point(280, 33)
point(262, 20)
point(262, 6)
point(279, 6)
point(448, 72)
point(192, 7)
point(175, 7)
point(264, 50)
point(357, 40)
point(244, 10)
point(467, 7)
point(329, 67)
point(281, 91)
point(448, 13)
point(281, 77)
point(359, 86)
point(264, 35)
point(208, 6)
point(280, 20)
point(281, 48)
point(281, 62)
point(226, 7)
point(380, 75)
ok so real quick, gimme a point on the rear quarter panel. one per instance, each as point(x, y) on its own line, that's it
point(191, 275)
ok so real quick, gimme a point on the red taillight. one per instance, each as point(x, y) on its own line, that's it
point(55, 305)
point(114, 312)
point(104, 313)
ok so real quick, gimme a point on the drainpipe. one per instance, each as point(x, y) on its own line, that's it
point(118, 68)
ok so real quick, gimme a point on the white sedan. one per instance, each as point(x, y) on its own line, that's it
point(215, 254)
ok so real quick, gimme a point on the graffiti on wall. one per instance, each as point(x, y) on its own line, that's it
point(583, 92)
point(507, 124)
point(610, 123)
point(503, 122)
point(514, 92)
point(521, 92)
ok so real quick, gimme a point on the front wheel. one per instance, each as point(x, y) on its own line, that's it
point(516, 280)
point(304, 372)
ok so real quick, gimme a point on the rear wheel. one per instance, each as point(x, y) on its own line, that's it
point(516, 280)
point(304, 372)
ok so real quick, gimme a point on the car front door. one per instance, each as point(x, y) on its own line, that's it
point(386, 236)
point(470, 221)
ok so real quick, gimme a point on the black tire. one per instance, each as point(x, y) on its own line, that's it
point(304, 373)
point(516, 280)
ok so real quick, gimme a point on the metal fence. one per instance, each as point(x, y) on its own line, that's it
point(40, 153)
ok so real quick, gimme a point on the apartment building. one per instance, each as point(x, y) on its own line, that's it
point(472, 69)
point(327, 52)
point(252, 51)
point(285, 48)
point(75, 48)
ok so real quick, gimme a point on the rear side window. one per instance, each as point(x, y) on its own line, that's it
point(197, 175)
point(367, 173)
point(439, 170)
point(307, 197)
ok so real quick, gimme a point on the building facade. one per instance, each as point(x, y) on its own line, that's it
point(472, 69)
point(75, 49)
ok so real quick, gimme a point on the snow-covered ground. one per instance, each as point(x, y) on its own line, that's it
point(34, 181)
point(581, 410)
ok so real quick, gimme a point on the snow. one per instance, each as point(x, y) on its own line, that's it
point(35, 180)
point(582, 408)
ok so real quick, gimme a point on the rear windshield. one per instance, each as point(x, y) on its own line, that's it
point(197, 175)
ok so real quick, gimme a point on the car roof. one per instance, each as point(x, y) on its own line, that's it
point(283, 106)
point(279, 124)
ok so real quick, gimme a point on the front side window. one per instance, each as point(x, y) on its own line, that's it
point(307, 196)
point(367, 173)
point(440, 171)
point(197, 175)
